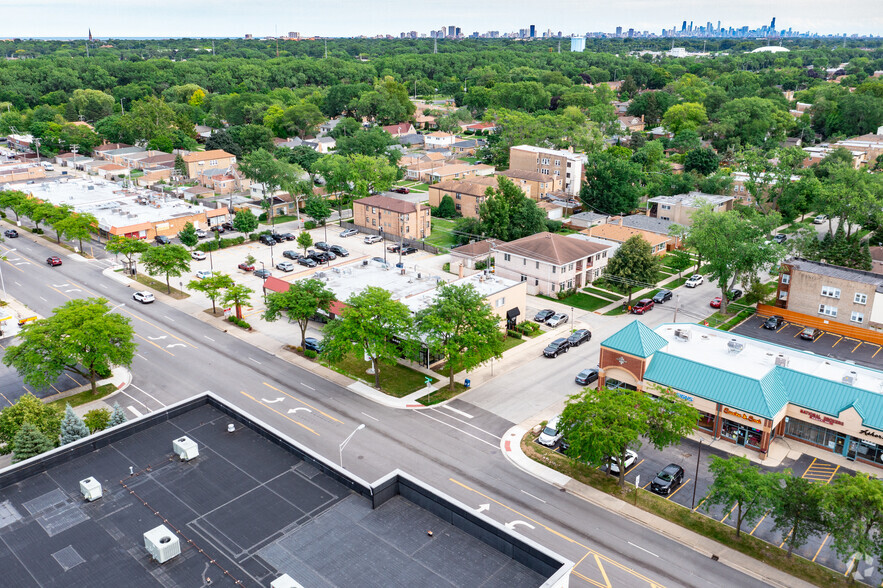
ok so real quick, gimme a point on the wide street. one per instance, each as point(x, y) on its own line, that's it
point(455, 448)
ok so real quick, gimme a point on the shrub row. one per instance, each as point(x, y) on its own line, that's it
point(239, 322)
point(215, 244)
point(514, 334)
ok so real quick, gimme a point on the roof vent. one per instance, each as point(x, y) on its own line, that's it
point(781, 360)
point(185, 448)
point(735, 346)
point(162, 544)
point(90, 489)
point(850, 378)
point(682, 335)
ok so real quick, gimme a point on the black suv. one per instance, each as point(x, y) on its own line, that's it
point(735, 294)
point(306, 261)
point(556, 347)
point(323, 246)
point(339, 251)
point(267, 240)
point(668, 479)
point(11, 233)
point(322, 256)
point(579, 336)
point(289, 254)
point(774, 322)
point(162, 239)
point(409, 250)
point(662, 296)
point(543, 315)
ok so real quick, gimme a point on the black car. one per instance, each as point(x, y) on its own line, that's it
point(378, 259)
point(285, 237)
point(278, 237)
point(409, 250)
point(219, 229)
point(162, 239)
point(306, 261)
point(11, 233)
point(579, 336)
point(262, 273)
point(289, 254)
point(323, 246)
point(734, 294)
point(668, 479)
point(586, 377)
point(662, 296)
point(394, 248)
point(339, 251)
point(267, 240)
point(228, 226)
point(780, 238)
point(774, 322)
point(556, 347)
point(543, 315)
point(313, 344)
point(322, 256)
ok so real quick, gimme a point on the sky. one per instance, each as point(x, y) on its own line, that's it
point(344, 18)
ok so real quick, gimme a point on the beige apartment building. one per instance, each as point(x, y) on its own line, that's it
point(393, 217)
point(200, 161)
point(564, 168)
point(680, 207)
point(534, 184)
point(468, 194)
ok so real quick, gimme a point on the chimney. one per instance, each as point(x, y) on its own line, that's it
point(620, 221)
point(460, 270)
point(642, 118)
point(589, 230)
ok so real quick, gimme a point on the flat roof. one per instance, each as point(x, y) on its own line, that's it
point(692, 199)
point(252, 506)
point(352, 278)
point(486, 285)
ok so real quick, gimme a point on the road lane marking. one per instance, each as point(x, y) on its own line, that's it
point(142, 357)
point(423, 413)
point(147, 394)
point(209, 338)
point(323, 413)
point(309, 387)
point(103, 286)
point(488, 433)
point(283, 415)
point(459, 412)
point(642, 549)
point(254, 360)
point(587, 579)
point(155, 345)
point(603, 573)
point(167, 317)
point(370, 417)
point(138, 400)
point(17, 284)
point(532, 496)
point(135, 410)
point(43, 299)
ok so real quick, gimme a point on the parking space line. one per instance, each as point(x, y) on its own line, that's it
point(603, 573)
point(876, 352)
point(681, 487)
point(785, 326)
point(838, 340)
point(820, 546)
point(848, 566)
point(700, 504)
point(644, 487)
point(730, 512)
point(627, 472)
point(758, 523)
point(786, 538)
point(856, 347)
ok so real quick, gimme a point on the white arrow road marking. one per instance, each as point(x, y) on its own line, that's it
point(511, 526)
point(58, 285)
point(291, 410)
point(483, 507)
point(74, 290)
point(280, 399)
point(175, 345)
point(157, 338)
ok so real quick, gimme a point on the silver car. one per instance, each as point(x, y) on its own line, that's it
point(557, 319)
point(551, 435)
point(285, 266)
point(349, 232)
point(373, 239)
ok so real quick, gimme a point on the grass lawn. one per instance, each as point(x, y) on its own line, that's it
point(581, 300)
point(675, 283)
point(84, 396)
point(602, 294)
point(395, 380)
point(442, 233)
point(283, 218)
point(160, 286)
point(443, 394)
point(616, 311)
point(725, 322)
point(471, 160)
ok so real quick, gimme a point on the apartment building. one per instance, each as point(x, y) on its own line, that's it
point(564, 168)
point(393, 217)
point(534, 184)
point(202, 160)
point(467, 194)
point(680, 208)
point(616, 232)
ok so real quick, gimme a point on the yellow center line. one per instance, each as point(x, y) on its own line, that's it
point(279, 413)
point(154, 344)
point(681, 487)
point(12, 265)
point(603, 573)
point(729, 513)
point(59, 291)
point(302, 402)
point(820, 547)
point(587, 579)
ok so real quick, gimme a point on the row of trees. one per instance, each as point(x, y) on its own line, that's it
point(72, 225)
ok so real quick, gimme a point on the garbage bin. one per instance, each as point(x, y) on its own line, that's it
point(467, 383)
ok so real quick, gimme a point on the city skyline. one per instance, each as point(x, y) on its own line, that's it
point(347, 18)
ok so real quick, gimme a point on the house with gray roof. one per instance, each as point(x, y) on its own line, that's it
point(680, 207)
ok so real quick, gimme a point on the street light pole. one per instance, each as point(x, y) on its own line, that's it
point(347, 440)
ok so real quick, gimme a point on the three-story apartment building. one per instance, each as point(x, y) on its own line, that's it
point(564, 168)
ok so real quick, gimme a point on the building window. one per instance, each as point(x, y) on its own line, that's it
point(553, 287)
point(665, 207)
point(554, 268)
point(786, 278)
point(783, 295)
point(830, 292)
point(213, 162)
point(569, 284)
point(857, 317)
point(500, 302)
point(545, 161)
point(457, 206)
point(536, 282)
point(828, 310)
point(860, 298)
point(557, 163)
point(557, 172)
point(538, 265)
point(523, 278)
point(507, 257)
point(373, 222)
point(458, 196)
point(561, 286)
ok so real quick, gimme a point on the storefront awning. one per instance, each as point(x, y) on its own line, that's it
point(512, 313)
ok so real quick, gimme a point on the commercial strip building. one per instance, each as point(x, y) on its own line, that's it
point(200, 493)
point(752, 392)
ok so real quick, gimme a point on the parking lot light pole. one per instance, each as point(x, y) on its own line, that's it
point(347, 440)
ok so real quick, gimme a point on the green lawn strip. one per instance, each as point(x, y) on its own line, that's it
point(736, 320)
point(395, 380)
point(284, 218)
point(160, 286)
point(442, 233)
point(442, 394)
point(84, 396)
point(580, 300)
point(619, 309)
point(694, 521)
point(602, 294)
point(675, 283)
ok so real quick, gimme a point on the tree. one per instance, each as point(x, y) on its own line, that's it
point(168, 260)
point(92, 105)
point(317, 208)
point(446, 208)
point(180, 166)
point(261, 167)
point(77, 226)
point(798, 510)
point(27, 408)
point(684, 116)
point(460, 326)
point(97, 419)
point(613, 185)
point(737, 481)
point(72, 427)
point(128, 247)
point(212, 286)
point(84, 337)
point(751, 121)
point(15, 201)
point(118, 417)
point(600, 425)
point(508, 214)
point(855, 505)
point(301, 119)
point(633, 266)
point(299, 303)
point(238, 295)
point(245, 221)
point(188, 235)
point(304, 241)
point(368, 175)
point(373, 142)
point(29, 442)
point(373, 325)
point(58, 214)
point(703, 161)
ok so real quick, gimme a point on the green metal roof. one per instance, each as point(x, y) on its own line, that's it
point(635, 339)
point(832, 398)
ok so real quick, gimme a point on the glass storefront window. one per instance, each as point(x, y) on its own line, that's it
point(813, 434)
point(869, 452)
point(706, 422)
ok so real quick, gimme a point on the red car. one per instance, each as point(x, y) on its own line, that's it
point(716, 302)
point(402, 190)
point(247, 267)
point(53, 261)
point(642, 306)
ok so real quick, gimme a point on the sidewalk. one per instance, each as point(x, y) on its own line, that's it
point(510, 444)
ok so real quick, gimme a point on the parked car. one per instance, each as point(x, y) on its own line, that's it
point(348, 233)
point(373, 239)
point(544, 315)
point(630, 458)
point(313, 344)
point(306, 261)
point(780, 238)
point(662, 296)
point(289, 254)
point(715, 302)
point(810, 334)
point(668, 479)
point(556, 347)
point(162, 240)
point(819, 220)
point(53, 261)
point(228, 226)
point(409, 250)
point(579, 337)
point(144, 297)
point(323, 246)
point(401, 190)
point(278, 237)
point(774, 322)
point(203, 274)
point(267, 240)
point(246, 266)
point(394, 248)
point(586, 377)
point(734, 294)
point(551, 435)
point(378, 259)
point(643, 305)
point(284, 237)
point(339, 251)
point(262, 273)
point(322, 256)
point(694, 281)
point(219, 229)
point(285, 266)
point(200, 234)
point(198, 255)
point(11, 233)
point(557, 319)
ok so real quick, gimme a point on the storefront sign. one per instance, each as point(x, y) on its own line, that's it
point(743, 415)
point(685, 397)
point(870, 433)
point(821, 418)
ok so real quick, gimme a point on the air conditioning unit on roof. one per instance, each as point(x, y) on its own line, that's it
point(162, 544)
point(735, 346)
point(185, 448)
point(90, 488)
point(682, 334)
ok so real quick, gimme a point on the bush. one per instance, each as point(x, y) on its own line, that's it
point(299, 349)
point(239, 322)
point(262, 217)
point(528, 328)
point(446, 266)
point(553, 226)
point(38, 231)
point(562, 294)
point(514, 334)
point(253, 236)
point(310, 354)
point(309, 225)
point(216, 244)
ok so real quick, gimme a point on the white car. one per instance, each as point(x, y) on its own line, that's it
point(557, 319)
point(630, 458)
point(203, 274)
point(144, 297)
point(349, 232)
point(694, 281)
point(819, 220)
point(200, 234)
point(285, 266)
point(198, 255)
point(373, 239)
point(551, 435)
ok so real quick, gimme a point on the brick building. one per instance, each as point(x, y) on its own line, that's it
point(393, 217)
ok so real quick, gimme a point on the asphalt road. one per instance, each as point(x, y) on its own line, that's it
point(456, 448)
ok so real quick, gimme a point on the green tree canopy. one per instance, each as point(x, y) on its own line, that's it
point(238, 295)
point(799, 510)
point(168, 260)
point(245, 221)
point(687, 115)
point(613, 184)
point(855, 504)
point(507, 214)
point(72, 426)
point(633, 266)
point(212, 286)
point(188, 236)
point(737, 481)
point(28, 408)
point(30, 442)
point(128, 247)
point(299, 303)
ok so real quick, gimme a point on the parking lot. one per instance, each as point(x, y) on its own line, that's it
point(826, 344)
point(12, 388)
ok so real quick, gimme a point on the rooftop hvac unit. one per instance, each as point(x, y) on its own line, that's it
point(90, 488)
point(285, 581)
point(850, 378)
point(781, 360)
point(735, 346)
point(682, 334)
point(162, 544)
point(185, 448)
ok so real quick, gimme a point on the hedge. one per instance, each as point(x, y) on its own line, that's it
point(514, 334)
point(215, 244)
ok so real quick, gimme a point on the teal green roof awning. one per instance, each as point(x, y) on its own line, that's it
point(635, 339)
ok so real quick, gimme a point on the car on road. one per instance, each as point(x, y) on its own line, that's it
point(551, 435)
point(409, 250)
point(556, 347)
point(630, 458)
point(249, 267)
point(289, 254)
point(313, 344)
point(322, 246)
point(144, 297)
point(200, 234)
point(715, 302)
point(587, 376)
point(643, 305)
point(668, 479)
point(694, 281)
point(267, 240)
point(228, 226)
point(198, 255)
point(11, 233)
point(543, 315)
point(780, 238)
point(339, 251)
point(262, 273)
point(285, 266)
point(662, 296)
point(735, 294)
point(348, 233)
point(203, 274)
point(557, 319)
point(810, 333)
point(401, 190)
point(306, 261)
point(819, 220)
point(162, 239)
point(774, 322)
point(373, 239)
point(579, 337)
point(394, 248)
point(53, 261)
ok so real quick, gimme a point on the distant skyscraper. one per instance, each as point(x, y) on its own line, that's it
point(684, 27)
point(452, 30)
point(457, 31)
point(618, 31)
point(773, 24)
point(533, 30)
point(577, 44)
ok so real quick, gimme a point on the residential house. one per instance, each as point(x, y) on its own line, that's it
point(615, 232)
point(412, 140)
point(203, 132)
point(161, 159)
point(550, 263)
point(439, 139)
point(680, 208)
point(565, 168)
point(467, 194)
point(484, 127)
point(325, 144)
point(328, 126)
point(202, 160)
point(538, 185)
point(817, 153)
point(871, 145)
point(660, 133)
point(400, 129)
point(393, 217)
point(20, 142)
point(116, 155)
point(587, 219)
point(740, 189)
point(650, 224)
point(97, 151)
point(467, 146)
point(472, 253)
point(459, 171)
point(224, 181)
point(110, 171)
point(631, 124)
